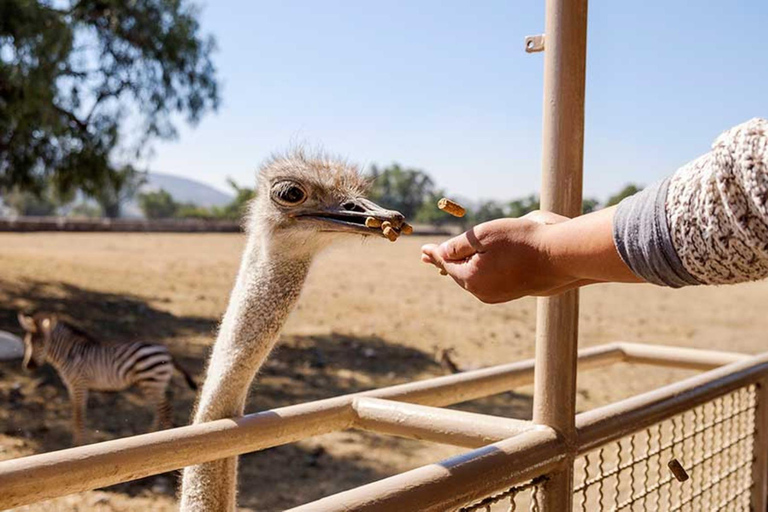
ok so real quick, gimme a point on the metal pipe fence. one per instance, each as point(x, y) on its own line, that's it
point(507, 453)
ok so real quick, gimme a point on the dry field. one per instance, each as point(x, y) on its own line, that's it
point(371, 315)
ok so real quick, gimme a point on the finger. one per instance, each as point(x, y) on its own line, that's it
point(460, 247)
point(429, 254)
point(456, 269)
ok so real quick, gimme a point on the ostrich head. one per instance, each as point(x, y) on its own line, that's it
point(303, 203)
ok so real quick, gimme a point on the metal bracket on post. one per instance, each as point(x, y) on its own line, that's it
point(534, 44)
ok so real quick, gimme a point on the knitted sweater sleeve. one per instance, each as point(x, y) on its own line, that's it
point(708, 223)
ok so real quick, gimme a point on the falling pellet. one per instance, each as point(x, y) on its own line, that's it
point(677, 469)
point(451, 207)
point(406, 229)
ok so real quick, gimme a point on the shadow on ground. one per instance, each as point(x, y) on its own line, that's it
point(304, 368)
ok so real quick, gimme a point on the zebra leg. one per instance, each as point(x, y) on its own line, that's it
point(156, 395)
point(78, 396)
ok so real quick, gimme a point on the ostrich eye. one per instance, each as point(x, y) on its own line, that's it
point(288, 193)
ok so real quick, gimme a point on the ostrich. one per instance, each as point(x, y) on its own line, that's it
point(303, 204)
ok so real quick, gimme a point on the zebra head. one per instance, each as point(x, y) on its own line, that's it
point(37, 336)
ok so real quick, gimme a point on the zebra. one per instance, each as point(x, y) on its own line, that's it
point(85, 363)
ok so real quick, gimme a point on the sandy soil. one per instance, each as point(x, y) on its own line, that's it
point(371, 315)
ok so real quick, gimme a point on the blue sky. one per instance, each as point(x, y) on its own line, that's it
point(445, 86)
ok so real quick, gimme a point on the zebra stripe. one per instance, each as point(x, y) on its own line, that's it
point(84, 364)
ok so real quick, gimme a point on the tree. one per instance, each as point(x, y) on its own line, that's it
point(236, 209)
point(85, 210)
point(36, 204)
point(193, 211)
point(520, 207)
point(429, 213)
point(404, 190)
point(119, 186)
point(158, 204)
point(30, 204)
point(589, 205)
point(627, 191)
point(76, 76)
point(488, 210)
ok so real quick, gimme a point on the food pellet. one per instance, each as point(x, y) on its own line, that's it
point(451, 207)
point(678, 470)
point(386, 224)
point(372, 222)
point(390, 233)
point(443, 272)
point(406, 229)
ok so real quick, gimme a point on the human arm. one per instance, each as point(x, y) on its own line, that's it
point(707, 224)
point(539, 254)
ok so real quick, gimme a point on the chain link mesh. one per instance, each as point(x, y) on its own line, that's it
point(713, 443)
point(515, 499)
point(710, 446)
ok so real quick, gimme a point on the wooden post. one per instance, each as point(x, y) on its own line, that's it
point(565, 45)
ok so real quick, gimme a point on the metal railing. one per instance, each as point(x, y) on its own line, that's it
point(507, 452)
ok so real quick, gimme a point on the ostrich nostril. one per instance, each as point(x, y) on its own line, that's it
point(352, 206)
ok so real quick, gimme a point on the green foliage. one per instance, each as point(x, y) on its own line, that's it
point(77, 74)
point(520, 207)
point(236, 209)
point(37, 203)
point(192, 211)
point(158, 205)
point(404, 190)
point(30, 204)
point(119, 186)
point(429, 213)
point(487, 210)
point(589, 205)
point(161, 205)
point(627, 191)
point(85, 211)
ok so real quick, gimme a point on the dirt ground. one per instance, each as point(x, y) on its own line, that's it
point(371, 315)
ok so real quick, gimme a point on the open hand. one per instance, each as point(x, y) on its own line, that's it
point(506, 259)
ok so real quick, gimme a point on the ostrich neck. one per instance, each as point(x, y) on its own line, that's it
point(264, 294)
point(266, 289)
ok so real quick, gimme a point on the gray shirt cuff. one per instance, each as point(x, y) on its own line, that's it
point(642, 238)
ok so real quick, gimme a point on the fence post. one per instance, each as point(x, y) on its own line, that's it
point(760, 450)
point(565, 41)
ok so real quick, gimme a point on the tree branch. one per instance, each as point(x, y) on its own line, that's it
point(82, 125)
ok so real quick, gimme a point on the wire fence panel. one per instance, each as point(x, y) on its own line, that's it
point(698, 460)
point(517, 498)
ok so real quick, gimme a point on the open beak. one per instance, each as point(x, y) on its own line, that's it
point(351, 216)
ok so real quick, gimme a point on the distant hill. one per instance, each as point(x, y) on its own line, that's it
point(183, 190)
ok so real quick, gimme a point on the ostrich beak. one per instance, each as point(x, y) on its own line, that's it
point(350, 217)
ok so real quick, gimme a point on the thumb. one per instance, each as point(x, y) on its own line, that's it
point(459, 248)
point(430, 253)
